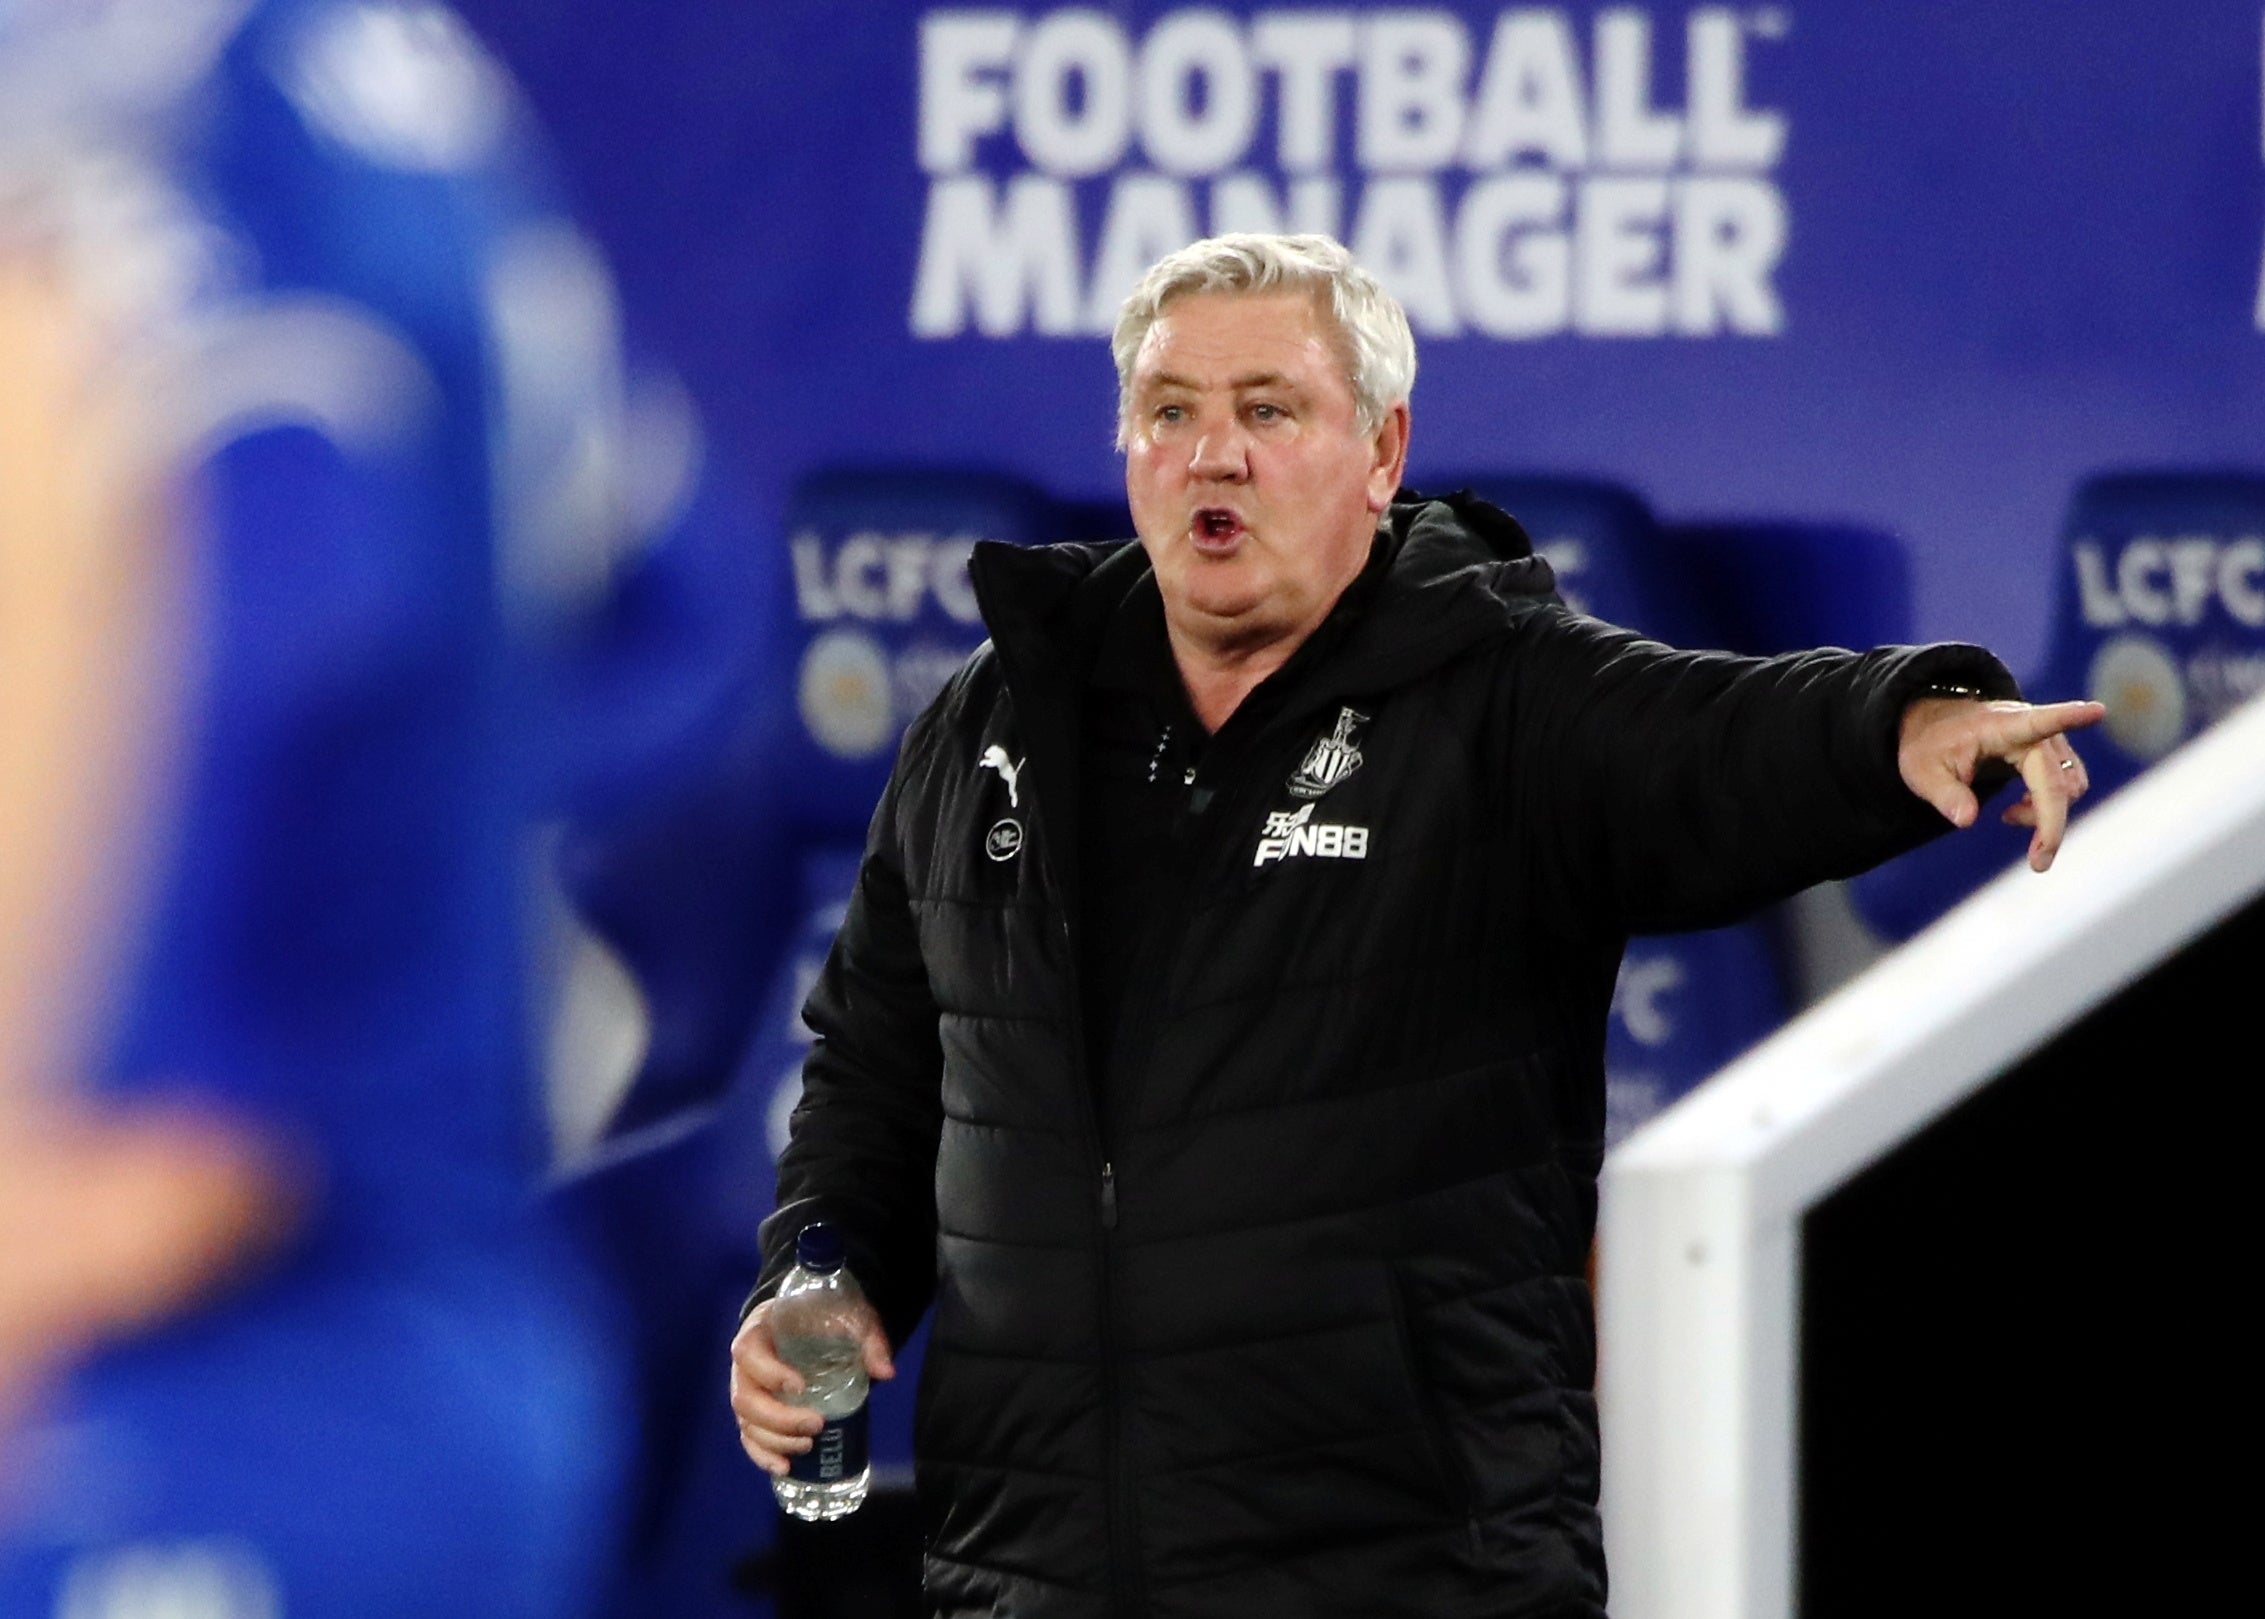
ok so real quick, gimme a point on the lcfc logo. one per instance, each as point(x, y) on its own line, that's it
point(1004, 840)
point(2137, 678)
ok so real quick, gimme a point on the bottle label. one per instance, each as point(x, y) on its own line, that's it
point(837, 1453)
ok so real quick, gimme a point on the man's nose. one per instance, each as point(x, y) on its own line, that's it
point(1222, 454)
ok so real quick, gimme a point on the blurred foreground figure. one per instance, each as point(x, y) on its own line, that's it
point(1216, 1036)
point(106, 1221)
point(303, 442)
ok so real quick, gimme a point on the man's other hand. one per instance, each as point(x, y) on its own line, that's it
point(1945, 740)
point(770, 1429)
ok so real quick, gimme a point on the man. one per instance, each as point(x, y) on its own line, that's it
point(1216, 1036)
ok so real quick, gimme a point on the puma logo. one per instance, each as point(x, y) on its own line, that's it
point(995, 758)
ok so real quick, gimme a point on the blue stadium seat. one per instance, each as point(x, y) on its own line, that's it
point(1610, 555)
point(672, 809)
point(2159, 612)
point(1688, 1003)
point(884, 613)
point(1779, 586)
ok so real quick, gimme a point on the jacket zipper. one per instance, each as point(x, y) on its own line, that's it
point(1117, 1496)
point(1454, 1476)
point(1126, 1599)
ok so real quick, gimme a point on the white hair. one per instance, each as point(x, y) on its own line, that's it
point(1373, 340)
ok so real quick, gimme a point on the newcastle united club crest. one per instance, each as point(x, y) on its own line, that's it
point(1331, 758)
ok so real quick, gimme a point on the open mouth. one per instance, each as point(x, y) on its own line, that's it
point(1217, 526)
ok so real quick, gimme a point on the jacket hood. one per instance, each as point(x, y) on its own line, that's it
point(1459, 571)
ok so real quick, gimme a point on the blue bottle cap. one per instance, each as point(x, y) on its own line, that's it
point(818, 1247)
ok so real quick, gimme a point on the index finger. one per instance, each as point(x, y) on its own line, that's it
point(2015, 728)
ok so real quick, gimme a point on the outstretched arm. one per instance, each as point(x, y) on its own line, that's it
point(1945, 740)
point(1657, 790)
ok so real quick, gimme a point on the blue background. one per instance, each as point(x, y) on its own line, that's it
point(2024, 248)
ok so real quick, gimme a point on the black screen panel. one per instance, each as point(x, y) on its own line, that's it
point(2011, 1327)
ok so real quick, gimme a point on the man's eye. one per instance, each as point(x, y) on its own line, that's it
point(1264, 412)
point(1171, 413)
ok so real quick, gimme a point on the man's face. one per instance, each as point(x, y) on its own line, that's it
point(1252, 486)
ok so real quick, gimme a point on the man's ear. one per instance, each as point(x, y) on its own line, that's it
point(1389, 446)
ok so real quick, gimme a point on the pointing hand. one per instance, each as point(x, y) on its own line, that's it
point(1945, 740)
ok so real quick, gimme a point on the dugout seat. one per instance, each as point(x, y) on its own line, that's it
point(1771, 586)
point(1610, 554)
point(2159, 612)
point(883, 613)
point(1685, 1004)
point(1777, 585)
point(670, 822)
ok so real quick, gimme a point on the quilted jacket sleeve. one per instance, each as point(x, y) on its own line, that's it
point(862, 1153)
point(1663, 790)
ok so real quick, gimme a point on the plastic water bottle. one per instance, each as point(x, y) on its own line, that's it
point(814, 1323)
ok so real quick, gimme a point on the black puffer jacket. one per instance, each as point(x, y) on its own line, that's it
point(1284, 1313)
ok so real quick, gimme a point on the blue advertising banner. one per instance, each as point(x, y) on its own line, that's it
point(1921, 267)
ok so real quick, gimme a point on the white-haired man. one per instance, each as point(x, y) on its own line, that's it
point(1233, 1089)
